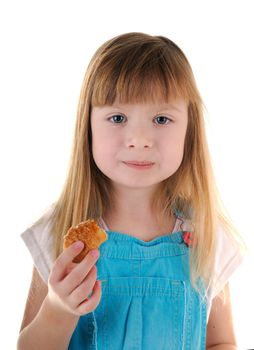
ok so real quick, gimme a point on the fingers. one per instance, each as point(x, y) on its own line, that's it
point(61, 264)
point(80, 272)
point(70, 284)
point(82, 292)
point(91, 304)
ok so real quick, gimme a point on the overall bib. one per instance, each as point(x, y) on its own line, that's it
point(148, 302)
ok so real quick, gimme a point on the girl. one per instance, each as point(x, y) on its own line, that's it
point(140, 165)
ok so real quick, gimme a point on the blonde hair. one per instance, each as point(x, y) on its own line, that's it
point(137, 67)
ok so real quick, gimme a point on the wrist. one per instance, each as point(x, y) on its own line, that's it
point(56, 316)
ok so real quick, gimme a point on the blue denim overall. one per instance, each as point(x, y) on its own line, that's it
point(147, 301)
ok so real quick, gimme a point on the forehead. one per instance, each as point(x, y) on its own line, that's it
point(178, 106)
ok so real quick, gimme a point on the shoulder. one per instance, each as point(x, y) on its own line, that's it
point(229, 254)
point(39, 241)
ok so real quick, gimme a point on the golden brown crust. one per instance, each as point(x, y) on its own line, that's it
point(89, 233)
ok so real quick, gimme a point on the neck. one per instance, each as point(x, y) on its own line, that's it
point(131, 212)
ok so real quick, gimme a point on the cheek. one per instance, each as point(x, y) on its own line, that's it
point(103, 146)
point(97, 141)
point(174, 148)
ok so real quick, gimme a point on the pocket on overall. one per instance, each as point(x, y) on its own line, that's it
point(141, 313)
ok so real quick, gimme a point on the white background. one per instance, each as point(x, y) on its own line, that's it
point(45, 48)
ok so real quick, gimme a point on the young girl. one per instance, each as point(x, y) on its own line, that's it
point(140, 166)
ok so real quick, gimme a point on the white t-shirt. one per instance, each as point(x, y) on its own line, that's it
point(39, 241)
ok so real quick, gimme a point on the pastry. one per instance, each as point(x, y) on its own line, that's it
point(89, 233)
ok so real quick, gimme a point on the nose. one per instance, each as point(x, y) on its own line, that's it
point(139, 138)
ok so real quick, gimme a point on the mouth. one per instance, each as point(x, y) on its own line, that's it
point(139, 164)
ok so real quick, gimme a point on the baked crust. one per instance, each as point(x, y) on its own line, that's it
point(89, 232)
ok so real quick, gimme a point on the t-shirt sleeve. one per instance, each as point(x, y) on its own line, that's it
point(229, 255)
point(39, 242)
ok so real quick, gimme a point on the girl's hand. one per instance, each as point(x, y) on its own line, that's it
point(70, 284)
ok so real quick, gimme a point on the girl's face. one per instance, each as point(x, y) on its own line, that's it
point(139, 145)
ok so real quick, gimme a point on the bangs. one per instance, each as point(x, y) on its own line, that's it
point(141, 75)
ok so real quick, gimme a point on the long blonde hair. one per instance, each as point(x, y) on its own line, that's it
point(137, 67)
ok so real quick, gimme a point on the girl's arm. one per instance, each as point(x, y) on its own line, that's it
point(220, 329)
point(41, 327)
point(222, 347)
point(37, 293)
point(52, 311)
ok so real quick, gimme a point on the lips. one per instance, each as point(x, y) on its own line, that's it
point(139, 163)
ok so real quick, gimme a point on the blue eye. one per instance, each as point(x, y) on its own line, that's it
point(117, 119)
point(162, 120)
